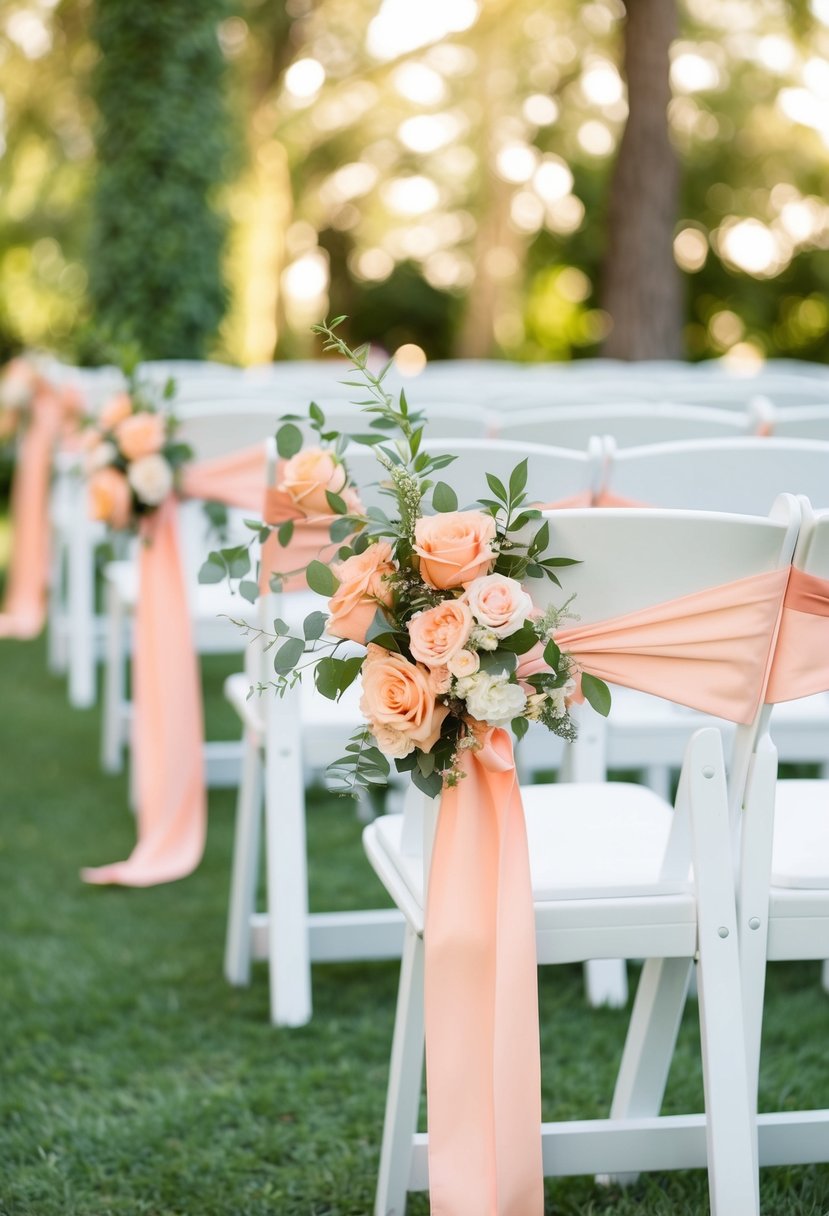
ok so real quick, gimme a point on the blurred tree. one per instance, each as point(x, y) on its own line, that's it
point(163, 151)
point(641, 287)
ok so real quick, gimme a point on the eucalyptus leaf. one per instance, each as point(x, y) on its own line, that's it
point(336, 503)
point(249, 590)
point(596, 693)
point(444, 497)
point(213, 570)
point(314, 625)
point(321, 578)
point(288, 440)
point(285, 532)
point(288, 655)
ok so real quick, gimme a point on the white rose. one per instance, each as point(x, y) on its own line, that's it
point(152, 479)
point(498, 603)
point(464, 663)
point(494, 700)
point(393, 743)
point(103, 454)
point(484, 639)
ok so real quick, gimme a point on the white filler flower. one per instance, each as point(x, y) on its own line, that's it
point(492, 698)
point(152, 479)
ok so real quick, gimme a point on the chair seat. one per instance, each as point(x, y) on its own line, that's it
point(587, 843)
point(326, 725)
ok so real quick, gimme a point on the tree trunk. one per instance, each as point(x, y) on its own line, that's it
point(642, 288)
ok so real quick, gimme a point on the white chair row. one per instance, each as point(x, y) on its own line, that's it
point(617, 871)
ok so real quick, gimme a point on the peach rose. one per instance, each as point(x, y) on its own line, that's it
point(306, 477)
point(498, 603)
point(363, 586)
point(436, 635)
point(110, 498)
point(116, 410)
point(397, 696)
point(454, 547)
point(140, 435)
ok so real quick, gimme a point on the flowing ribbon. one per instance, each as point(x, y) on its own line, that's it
point(24, 610)
point(801, 657)
point(168, 728)
point(482, 1050)
point(310, 541)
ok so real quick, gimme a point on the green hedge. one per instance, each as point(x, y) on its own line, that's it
point(163, 149)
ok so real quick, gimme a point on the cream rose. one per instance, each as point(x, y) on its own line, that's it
point(151, 478)
point(396, 694)
point(115, 411)
point(454, 547)
point(110, 499)
point(306, 477)
point(140, 435)
point(464, 663)
point(393, 743)
point(101, 455)
point(437, 634)
point(498, 603)
point(363, 586)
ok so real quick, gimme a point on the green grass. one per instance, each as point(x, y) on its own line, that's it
point(134, 1080)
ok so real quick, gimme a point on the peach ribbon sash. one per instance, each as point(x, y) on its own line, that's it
point(709, 650)
point(801, 657)
point(168, 728)
point(310, 541)
point(24, 610)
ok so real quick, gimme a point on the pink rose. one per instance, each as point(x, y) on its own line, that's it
point(498, 603)
point(397, 696)
point(140, 435)
point(116, 410)
point(110, 497)
point(454, 547)
point(437, 634)
point(363, 587)
point(307, 476)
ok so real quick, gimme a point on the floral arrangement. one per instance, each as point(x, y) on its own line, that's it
point(18, 383)
point(132, 456)
point(450, 640)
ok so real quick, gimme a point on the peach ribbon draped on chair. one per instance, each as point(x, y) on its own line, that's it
point(310, 541)
point(801, 657)
point(482, 1053)
point(24, 610)
point(168, 728)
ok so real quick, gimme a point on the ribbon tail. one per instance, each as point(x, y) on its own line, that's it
point(168, 725)
point(482, 1046)
point(24, 609)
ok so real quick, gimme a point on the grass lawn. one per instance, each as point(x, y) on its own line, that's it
point(134, 1080)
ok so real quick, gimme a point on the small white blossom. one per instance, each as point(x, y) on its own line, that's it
point(464, 663)
point(152, 479)
point(483, 639)
point(494, 700)
point(535, 704)
point(558, 698)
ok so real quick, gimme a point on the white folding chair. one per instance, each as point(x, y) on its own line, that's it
point(610, 866)
point(794, 421)
point(628, 423)
point(210, 433)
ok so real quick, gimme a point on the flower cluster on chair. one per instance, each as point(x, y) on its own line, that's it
point(452, 641)
point(18, 385)
point(132, 457)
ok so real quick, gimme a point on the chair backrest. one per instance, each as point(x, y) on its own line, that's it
point(217, 431)
point(627, 424)
point(553, 474)
point(806, 421)
point(743, 475)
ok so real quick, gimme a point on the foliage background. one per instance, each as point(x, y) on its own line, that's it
point(440, 172)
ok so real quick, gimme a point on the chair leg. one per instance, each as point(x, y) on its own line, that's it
point(112, 737)
point(606, 982)
point(287, 873)
point(733, 1179)
point(57, 656)
point(405, 1079)
point(246, 845)
point(824, 976)
point(81, 606)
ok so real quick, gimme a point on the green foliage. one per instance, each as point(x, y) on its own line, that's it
point(163, 150)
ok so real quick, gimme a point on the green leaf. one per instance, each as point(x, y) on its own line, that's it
point(281, 628)
point(237, 560)
point(520, 726)
point(216, 513)
point(430, 785)
point(498, 662)
point(541, 539)
point(325, 678)
point(349, 669)
point(285, 531)
point(288, 440)
point(213, 570)
point(596, 693)
point(552, 655)
point(521, 641)
point(321, 579)
point(314, 625)
point(336, 503)
point(340, 529)
point(497, 488)
point(518, 480)
point(249, 590)
point(316, 414)
point(406, 763)
point(561, 561)
point(425, 762)
point(523, 519)
point(368, 440)
point(444, 497)
point(288, 655)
